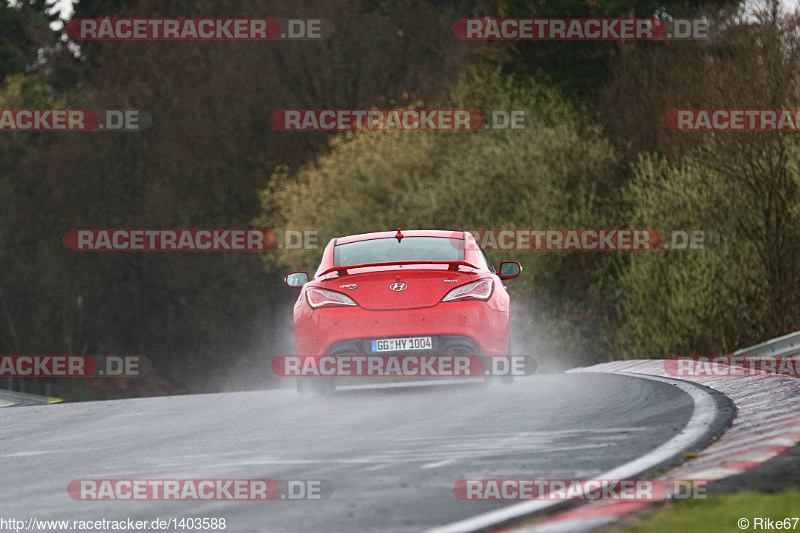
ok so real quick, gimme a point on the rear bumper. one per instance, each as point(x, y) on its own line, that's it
point(457, 327)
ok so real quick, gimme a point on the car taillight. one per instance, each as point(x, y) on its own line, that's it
point(478, 290)
point(319, 297)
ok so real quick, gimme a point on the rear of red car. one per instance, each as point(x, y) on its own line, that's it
point(411, 292)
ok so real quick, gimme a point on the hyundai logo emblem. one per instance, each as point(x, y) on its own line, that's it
point(398, 286)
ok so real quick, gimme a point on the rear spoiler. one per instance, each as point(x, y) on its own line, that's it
point(343, 270)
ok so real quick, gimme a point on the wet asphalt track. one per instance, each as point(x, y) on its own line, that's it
point(392, 457)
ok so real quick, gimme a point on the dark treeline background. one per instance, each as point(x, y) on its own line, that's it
point(598, 156)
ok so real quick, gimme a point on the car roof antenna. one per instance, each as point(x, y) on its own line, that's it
point(399, 236)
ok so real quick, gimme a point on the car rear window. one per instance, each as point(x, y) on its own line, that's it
point(388, 249)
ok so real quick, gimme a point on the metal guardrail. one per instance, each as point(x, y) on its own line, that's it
point(786, 345)
point(11, 398)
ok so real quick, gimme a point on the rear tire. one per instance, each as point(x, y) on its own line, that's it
point(508, 378)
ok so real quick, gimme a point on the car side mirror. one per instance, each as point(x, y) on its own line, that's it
point(509, 269)
point(296, 279)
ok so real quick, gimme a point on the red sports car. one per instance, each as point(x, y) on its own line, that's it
point(410, 292)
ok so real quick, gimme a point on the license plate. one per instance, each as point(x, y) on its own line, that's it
point(401, 344)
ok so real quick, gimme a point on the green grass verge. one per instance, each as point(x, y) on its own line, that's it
point(721, 513)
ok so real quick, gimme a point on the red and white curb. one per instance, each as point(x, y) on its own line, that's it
point(766, 425)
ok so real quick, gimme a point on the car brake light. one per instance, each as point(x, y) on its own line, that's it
point(319, 297)
point(478, 290)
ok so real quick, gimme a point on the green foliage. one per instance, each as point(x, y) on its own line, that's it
point(20, 199)
point(24, 91)
point(721, 513)
point(24, 29)
point(743, 289)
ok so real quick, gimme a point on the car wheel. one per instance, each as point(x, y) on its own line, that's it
point(509, 378)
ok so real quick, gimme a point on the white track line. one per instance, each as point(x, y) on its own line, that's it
point(703, 413)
